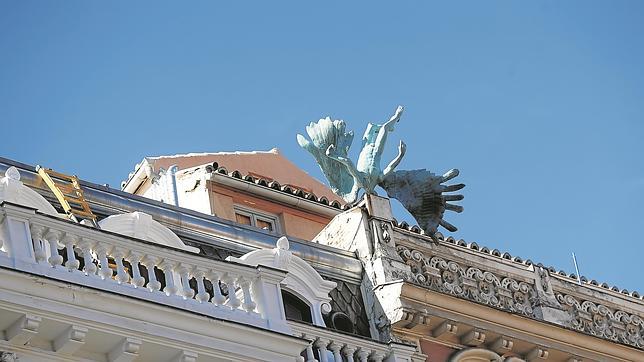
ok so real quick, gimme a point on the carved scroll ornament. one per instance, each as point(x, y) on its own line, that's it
point(469, 283)
point(601, 321)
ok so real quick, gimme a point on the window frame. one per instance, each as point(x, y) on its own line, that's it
point(255, 215)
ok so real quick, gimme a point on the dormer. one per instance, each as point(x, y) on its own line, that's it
point(261, 190)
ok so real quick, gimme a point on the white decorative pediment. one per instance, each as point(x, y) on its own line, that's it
point(14, 191)
point(301, 280)
point(142, 226)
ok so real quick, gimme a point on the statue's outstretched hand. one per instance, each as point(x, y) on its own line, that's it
point(451, 188)
point(389, 125)
point(402, 148)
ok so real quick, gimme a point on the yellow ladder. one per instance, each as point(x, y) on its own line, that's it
point(69, 194)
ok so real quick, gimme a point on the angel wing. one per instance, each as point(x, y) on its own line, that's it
point(422, 193)
point(327, 133)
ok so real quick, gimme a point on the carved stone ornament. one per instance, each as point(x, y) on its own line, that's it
point(601, 321)
point(8, 357)
point(545, 295)
point(301, 280)
point(14, 191)
point(420, 191)
point(142, 226)
point(445, 276)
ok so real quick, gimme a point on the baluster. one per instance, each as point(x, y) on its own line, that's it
point(377, 356)
point(121, 275)
point(2, 241)
point(137, 279)
point(186, 291)
point(348, 353)
point(52, 238)
point(233, 301)
point(149, 262)
point(217, 297)
point(321, 344)
point(363, 355)
point(71, 264)
point(170, 288)
point(310, 356)
point(86, 247)
point(248, 304)
point(335, 348)
point(202, 295)
point(37, 232)
point(105, 272)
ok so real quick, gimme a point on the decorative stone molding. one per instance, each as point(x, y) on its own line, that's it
point(302, 279)
point(8, 357)
point(445, 327)
point(469, 283)
point(125, 351)
point(601, 321)
point(475, 337)
point(502, 345)
point(23, 329)
point(70, 340)
point(537, 353)
point(14, 191)
point(142, 226)
point(414, 318)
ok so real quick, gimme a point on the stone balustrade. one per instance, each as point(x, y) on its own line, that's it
point(330, 346)
point(60, 249)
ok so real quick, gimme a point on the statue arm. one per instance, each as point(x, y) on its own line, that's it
point(389, 125)
point(381, 138)
point(402, 148)
point(351, 168)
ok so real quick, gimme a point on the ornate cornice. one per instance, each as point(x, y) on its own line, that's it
point(417, 233)
point(471, 283)
point(521, 289)
point(599, 320)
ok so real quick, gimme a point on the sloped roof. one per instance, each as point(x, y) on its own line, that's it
point(268, 165)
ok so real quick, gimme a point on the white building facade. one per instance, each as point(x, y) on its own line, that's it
point(160, 280)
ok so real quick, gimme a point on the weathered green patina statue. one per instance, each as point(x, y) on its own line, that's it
point(420, 191)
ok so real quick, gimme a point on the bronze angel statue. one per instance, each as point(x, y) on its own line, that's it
point(419, 191)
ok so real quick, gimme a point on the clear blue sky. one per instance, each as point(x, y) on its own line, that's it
point(540, 105)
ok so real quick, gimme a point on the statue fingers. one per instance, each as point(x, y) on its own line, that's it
point(305, 144)
point(455, 208)
point(451, 188)
point(453, 197)
point(447, 225)
point(450, 175)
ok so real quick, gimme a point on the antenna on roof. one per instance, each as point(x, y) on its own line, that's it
point(574, 260)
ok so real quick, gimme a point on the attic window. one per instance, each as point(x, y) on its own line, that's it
point(256, 219)
point(296, 309)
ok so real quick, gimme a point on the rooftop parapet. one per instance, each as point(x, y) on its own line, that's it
point(135, 268)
